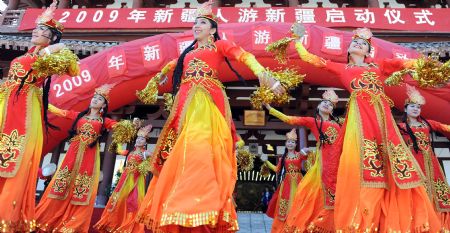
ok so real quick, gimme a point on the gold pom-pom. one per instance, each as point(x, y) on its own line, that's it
point(245, 160)
point(311, 159)
point(279, 49)
point(61, 62)
point(124, 131)
point(168, 101)
point(149, 95)
point(264, 171)
point(288, 78)
point(427, 72)
point(144, 167)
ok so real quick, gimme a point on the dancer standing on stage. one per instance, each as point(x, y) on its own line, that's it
point(289, 175)
point(120, 212)
point(68, 202)
point(379, 183)
point(314, 199)
point(194, 161)
point(23, 106)
point(418, 135)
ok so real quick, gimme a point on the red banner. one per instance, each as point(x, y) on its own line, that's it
point(410, 19)
point(130, 66)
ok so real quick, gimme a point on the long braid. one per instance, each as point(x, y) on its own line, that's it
point(45, 93)
point(322, 136)
point(178, 71)
point(410, 133)
point(281, 172)
point(430, 130)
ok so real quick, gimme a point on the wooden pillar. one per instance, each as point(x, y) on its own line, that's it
point(374, 4)
point(138, 4)
point(109, 160)
point(217, 3)
point(303, 138)
point(13, 5)
point(293, 3)
point(64, 4)
point(57, 153)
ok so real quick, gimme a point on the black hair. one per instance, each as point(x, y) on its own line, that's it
point(282, 172)
point(103, 131)
point(47, 82)
point(178, 71)
point(410, 133)
point(323, 138)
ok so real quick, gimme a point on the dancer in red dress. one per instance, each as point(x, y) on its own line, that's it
point(418, 133)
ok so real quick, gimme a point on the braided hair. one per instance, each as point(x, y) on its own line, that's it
point(55, 38)
point(322, 136)
point(178, 71)
point(103, 131)
point(407, 130)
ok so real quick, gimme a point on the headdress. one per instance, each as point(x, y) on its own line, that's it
point(363, 33)
point(104, 91)
point(292, 135)
point(414, 96)
point(331, 96)
point(144, 131)
point(205, 11)
point(47, 19)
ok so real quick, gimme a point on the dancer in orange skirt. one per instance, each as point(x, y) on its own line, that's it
point(68, 202)
point(314, 200)
point(289, 175)
point(23, 106)
point(418, 135)
point(120, 212)
point(379, 183)
point(194, 161)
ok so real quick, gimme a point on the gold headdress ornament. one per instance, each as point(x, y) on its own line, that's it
point(144, 131)
point(331, 96)
point(47, 19)
point(205, 11)
point(414, 96)
point(363, 33)
point(292, 135)
point(104, 91)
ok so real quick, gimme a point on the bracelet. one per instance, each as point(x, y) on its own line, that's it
point(47, 51)
point(275, 85)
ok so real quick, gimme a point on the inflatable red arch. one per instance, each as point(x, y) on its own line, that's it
point(132, 64)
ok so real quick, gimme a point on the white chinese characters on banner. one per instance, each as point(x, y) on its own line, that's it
point(333, 42)
point(305, 16)
point(247, 15)
point(422, 17)
point(262, 37)
point(151, 53)
point(335, 16)
point(183, 45)
point(275, 15)
point(220, 16)
point(115, 62)
point(163, 16)
point(137, 15)
point(393, 16)
point(364, 16)
point(188, 15)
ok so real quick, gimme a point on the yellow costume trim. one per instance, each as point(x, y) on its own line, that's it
point(250, 61)
point(62, 62)
point(57, 111)
point(271, 166)
point(309, 57)
point(280, 115)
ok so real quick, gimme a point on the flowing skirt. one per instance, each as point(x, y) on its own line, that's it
point(120, 213)
point(56, 215)
point(308, 212)
point(363, 209)
point(21, 130)
point(193, 192)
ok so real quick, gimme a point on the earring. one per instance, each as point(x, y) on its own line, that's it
point(210, 39)
point(101, 110)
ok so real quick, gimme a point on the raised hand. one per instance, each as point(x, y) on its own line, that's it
point(267, 106)
point(298, 30)
point(267, 80)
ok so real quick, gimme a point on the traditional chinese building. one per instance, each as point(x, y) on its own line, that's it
point(14, 41)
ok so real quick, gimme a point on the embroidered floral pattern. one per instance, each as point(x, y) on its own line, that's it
point(332, 135)
point(373, 161)
point(369, 81)
point(10, 148)
point(198, 69)
point(62, 180)
point(442, 192)
point(82, 184)
point(401, 166)
point(422, 140)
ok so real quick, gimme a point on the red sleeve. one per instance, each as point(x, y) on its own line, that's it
point(229, 49)
point(109, 123)
point(389, 66)
point(302, 121)
point(439, 127)
point(335, 67)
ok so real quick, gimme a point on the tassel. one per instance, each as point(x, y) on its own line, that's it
point(427, 72)
point(279, 49)
point(124, 131)
point(245, 160)
point(288, 78)
point(264, 171)
point(62, 62)
point(149, 95)
point(143, 167)
point(168, 101)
